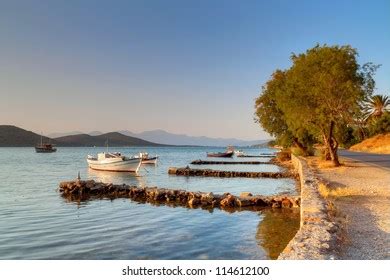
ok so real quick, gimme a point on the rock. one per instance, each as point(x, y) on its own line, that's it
point(286, 203)
point(245, 194)
point(193, 202)
point(207, 198)
point(228, 201)
point(276, 204)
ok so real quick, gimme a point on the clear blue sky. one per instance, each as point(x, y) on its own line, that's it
point(192, 67)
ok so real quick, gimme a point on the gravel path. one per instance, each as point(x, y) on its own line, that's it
point(361, 194)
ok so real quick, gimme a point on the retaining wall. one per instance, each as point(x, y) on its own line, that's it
point(317, 237)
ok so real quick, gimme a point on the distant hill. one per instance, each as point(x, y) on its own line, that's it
point(12, 136)
point(377, 144)
point(164, 137)
point(146, 138)
point(168, 138)
point(114, 139)
point(61, 134)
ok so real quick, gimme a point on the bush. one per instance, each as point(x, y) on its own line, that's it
point(302, 153)
point(284, 155)
point(381, 125)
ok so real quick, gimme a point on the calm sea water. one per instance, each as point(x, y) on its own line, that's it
point(37, 223)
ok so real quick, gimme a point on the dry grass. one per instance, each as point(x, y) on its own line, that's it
point(378, 144)
point(327, 190)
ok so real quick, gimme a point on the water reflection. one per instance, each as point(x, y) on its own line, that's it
point(128, 178)
point(276, 229)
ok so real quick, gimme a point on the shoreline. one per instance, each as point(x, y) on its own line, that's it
point(345, 214)
point(317, 236)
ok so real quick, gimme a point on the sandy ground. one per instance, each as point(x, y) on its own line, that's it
point(361, 194)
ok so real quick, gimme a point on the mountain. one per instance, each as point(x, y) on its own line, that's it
point(164, 137)
point(95, 133)
point(61, 134)
point(115, 139)
point(12, 136)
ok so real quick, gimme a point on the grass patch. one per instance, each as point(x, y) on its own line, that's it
point(328, 191)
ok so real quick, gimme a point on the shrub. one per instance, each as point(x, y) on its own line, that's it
point(381, 125)
point(284, 155)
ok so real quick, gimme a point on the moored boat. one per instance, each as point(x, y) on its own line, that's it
point(45, 147)
point(221, 154)
point(146, 159)
point(114, 162)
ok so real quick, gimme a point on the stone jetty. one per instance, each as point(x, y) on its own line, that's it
point(227, 174)
point(258, 156)
point(201, 162)
point(80, 190)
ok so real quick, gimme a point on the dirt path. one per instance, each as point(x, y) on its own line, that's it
point(361, 194)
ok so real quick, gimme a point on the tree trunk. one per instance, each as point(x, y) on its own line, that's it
point(299, 145)
point(333, 145)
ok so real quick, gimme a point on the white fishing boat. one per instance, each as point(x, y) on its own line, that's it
point(114, 162)
point(146, 159)
point(238, 153)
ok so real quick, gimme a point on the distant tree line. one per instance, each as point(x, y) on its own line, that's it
point(324, 97)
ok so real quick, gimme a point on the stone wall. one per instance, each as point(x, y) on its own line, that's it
point(187, 171)
point(79, 190)
point(317, 237)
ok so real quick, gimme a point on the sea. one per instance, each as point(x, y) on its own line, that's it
point(36, 222)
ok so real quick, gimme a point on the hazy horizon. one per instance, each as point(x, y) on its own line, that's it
point(186, 67)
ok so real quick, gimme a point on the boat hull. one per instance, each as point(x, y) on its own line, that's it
point(221, 155)
point(45, 150)
point(131, 165)
point(152, 160)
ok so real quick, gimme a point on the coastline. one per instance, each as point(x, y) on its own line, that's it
point(317, 236)
point(344, 212)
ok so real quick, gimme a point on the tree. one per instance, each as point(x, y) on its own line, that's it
point(320, 93)
point(376, 106)
point(381, 125)
point(272, 119)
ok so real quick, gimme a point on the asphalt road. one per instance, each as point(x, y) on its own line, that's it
point(380, 160)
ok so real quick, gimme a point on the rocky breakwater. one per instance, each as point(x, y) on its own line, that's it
point(201, 162)
point(228, 174)
point(318, 234)
point(80, 190)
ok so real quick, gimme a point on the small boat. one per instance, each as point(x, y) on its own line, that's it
point(114, 162)
point(45, 147)
point(148, 160)
point(238, 153)
point(223, 154)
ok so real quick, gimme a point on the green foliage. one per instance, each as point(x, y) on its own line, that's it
point(376, 106)
point(317, 97)
point(381, 125)
point(346, 135)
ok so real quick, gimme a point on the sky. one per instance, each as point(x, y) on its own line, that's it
point(192, 67)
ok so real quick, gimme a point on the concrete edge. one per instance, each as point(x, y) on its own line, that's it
point(316, 238)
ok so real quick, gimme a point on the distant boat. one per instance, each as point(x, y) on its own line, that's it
point(223, 154)
point(114, 162)
point(45, 147)
point(238, 153)
point(148, 160)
